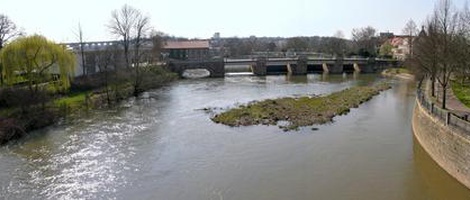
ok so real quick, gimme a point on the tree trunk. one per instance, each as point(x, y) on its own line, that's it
point(106, 86)
point(420, 83)
point(126, 54)
point(433, 87)
point(84, 70)
point(444, 95)
point(137, 81)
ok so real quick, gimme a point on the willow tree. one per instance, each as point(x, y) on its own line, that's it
point(36, 60)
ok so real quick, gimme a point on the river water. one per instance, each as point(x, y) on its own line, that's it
point(163, 146)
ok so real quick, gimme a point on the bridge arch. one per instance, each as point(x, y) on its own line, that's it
point(215, 68)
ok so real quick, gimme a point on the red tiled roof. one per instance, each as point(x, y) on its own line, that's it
point(191, 44)
point(396, 41)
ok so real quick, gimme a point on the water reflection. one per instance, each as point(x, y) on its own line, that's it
point(88, 161)
point(296, 78)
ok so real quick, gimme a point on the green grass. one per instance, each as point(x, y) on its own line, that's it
point(462, 92)
point(74, 101)
point(303, 111)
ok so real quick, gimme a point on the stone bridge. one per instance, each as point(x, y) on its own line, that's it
point(294, 66)
point(216, 68)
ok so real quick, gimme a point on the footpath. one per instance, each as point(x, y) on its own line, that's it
point(452, 102)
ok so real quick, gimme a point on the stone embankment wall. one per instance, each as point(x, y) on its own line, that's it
point(448, 145)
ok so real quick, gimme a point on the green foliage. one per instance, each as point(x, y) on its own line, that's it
point(462, 92)
point(386, 49)
point(73, 103)
point(37, 60)
point(74, 99)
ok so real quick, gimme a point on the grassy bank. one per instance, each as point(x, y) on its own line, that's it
point(21, 113)
point(297, 112)
point(462, 92)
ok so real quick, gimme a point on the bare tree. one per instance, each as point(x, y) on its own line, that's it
point(439, 52)
point(121, 25)
point(132, 26)
point(8, 31)
point(104, 60)
point(141, 27)
point(337, 44)
point(446, 18)
point(425, 59)
point(411, 31)
point(366, 40)
point(81, 45)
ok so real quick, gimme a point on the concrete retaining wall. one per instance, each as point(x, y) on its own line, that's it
point(449, 147)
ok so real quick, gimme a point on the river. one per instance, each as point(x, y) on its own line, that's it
point(163, 146)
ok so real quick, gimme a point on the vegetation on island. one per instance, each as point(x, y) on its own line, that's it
point(298, 112)
point(397, 71)
point(401, 72)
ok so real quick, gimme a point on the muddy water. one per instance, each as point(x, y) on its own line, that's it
point(162, 146)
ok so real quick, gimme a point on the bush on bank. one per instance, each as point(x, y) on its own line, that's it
point(21, 112)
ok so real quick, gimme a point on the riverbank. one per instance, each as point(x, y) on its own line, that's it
point(400, 73)
point(299, 112)
point(17, 120)
point(446, 143)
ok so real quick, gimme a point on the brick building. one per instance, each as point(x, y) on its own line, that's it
point(187, 50)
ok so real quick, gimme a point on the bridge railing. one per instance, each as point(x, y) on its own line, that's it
point(449, 118)
point(310, 58)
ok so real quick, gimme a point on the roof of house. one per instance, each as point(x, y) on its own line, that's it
point(399, 40)
point(190, 44)
point(396, 41)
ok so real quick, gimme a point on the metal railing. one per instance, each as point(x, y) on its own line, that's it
point(449, 118)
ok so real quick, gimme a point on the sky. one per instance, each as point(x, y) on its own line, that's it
point(58, 19)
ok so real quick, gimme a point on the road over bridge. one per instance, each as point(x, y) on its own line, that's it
point(294, 66)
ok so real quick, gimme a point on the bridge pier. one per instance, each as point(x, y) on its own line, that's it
point(370, 67)
point(325, 68)
point(356, 67)
point(301, 67)
point(335, 68)
point(259, 68)
point(298, 69)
